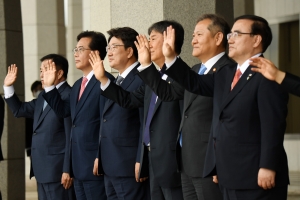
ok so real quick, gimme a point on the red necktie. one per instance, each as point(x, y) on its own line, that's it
point(84, 80)
point(236, 78)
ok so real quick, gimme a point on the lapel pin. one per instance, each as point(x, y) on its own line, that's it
point(169, 82)
point(214, 69)
point(249, 76)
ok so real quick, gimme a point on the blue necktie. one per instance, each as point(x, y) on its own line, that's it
point(201, 72)
point(150, 113)
point(45, 104)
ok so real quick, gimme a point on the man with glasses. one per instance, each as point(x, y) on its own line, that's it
point(245, 148)
point(85, 105)
point(161, 119)
point(121, 128)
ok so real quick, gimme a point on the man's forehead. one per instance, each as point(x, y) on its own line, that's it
point(242, 25)
point(155, 33)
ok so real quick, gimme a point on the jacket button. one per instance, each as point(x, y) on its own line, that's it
point(34, 134)
point(73, 126)
point(104, 120)
point(186, 116)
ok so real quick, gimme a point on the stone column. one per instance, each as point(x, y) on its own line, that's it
point(141, 14)
point(74, 27)
point(12, 183)
point(44, 33)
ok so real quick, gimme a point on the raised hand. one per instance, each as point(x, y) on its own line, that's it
point(142, 45)
point(169, 44)
point(11, 76)
point(267, 69)
point(48, 73)
point(98, 67)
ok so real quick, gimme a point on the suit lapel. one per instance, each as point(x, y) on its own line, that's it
point(85, 94)
point(39, 111)
point(125, 84)
point(245, 78)
point(40, 105)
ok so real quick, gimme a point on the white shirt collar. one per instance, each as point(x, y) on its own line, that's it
point(58, 85)
point(246, 64)
point(128, 70)
point(208, 64)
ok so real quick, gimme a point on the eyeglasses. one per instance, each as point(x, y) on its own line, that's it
point(113, 47)
point(235, 34)
point(79, 50)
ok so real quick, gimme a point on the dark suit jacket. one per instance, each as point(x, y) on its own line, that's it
point(50, 140)
point(120, 132)
point(163, 131)
point(291, 83)
point(196, 117)
point(85, 116)
point(248, 124)
point(1, 123)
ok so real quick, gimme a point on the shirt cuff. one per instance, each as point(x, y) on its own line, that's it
point(141, 68)
point(103, 87)
point(8, 91)
point(168, 65)
point(48, 89)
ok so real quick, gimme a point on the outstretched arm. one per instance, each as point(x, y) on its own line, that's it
point(267, 69)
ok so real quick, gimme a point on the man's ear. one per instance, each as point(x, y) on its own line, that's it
point(129, 52)
point(257, 40)
point(60, 74)
point(219, 38)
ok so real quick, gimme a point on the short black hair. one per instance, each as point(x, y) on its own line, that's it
point(98, 41)
point(127, 35)
point(260, 27)
point(60, 62)
point(218, 24)
point(162, 26)
point(35, 85)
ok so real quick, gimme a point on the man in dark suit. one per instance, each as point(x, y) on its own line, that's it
point(161, 120)
point(246, 144)
point(85, 105)
point(287, 81)
point(51, 134)
point(121, 128)
point(209, 43)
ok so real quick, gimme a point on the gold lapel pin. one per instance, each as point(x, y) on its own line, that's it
point(214, 69)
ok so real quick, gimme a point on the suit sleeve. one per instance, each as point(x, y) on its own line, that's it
point(59, 106)
point(67, 126)
point(21, 109)
point(190, 80)
point(124, 98)
point(272, 104)
point(291, 83)
point(164, 90)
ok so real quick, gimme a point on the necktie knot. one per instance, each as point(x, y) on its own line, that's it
point(202, 69)
point(236, 78)
point(162, 71)
point(119, 80)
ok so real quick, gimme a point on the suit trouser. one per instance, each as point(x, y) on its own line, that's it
point(160, 193)
point(277, 193)
point(90, 190)
point(199, 188)
point(125, 188)
point(54, 191)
